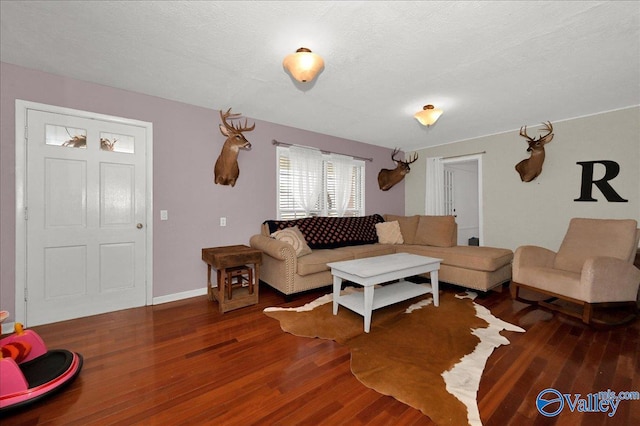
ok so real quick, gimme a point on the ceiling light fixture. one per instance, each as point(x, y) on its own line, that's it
point(428, 115)
point(303, 65)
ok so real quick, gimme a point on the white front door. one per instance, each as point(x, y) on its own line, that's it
point(85, 215)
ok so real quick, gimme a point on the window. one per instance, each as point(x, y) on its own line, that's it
point(326, 203)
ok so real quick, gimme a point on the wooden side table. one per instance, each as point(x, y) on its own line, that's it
point(227, 257)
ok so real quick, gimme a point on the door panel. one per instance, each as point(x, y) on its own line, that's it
point(65, 272)
point(117, 263)
point(69, 207)
point(85, 195)
point(117, 189)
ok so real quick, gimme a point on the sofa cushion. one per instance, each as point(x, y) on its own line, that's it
point(332, 232)
point(389, 233)
point(476, 258)
point(439, 231)
point(470, 278)
point(369, 250)
point(318, 259)
point(595, 237)
point(408, 226)
point(294, 237)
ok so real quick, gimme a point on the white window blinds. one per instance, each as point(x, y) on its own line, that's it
point(340, 190)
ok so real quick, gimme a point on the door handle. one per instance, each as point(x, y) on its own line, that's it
point(139, 226)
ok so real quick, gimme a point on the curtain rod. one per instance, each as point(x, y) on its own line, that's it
point(278, 143)
point(464, 155)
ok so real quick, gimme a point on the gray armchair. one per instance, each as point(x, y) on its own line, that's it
point(594, 266)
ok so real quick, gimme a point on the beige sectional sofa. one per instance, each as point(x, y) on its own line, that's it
point(337, 239)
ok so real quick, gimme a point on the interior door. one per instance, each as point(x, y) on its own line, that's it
point(463, 182)
point(85, 217)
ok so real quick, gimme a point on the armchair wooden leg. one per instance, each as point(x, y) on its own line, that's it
point(513, 289)
point(587, 312)
point(626, 313)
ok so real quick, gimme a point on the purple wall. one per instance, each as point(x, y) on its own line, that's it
point(185, 147)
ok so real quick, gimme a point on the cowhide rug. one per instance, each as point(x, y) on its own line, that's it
point(429, 358)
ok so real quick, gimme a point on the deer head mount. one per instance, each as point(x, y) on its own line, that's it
point(530, 168)
point(388, 178)
point(226, 170)
point(80, 141)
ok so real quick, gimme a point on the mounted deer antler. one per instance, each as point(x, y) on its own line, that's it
point(388, 178)
point(107, 145)
point(81, 142)
point(226, 169)
point(531, 167)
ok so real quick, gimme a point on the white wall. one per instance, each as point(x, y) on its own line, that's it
point(538, 212)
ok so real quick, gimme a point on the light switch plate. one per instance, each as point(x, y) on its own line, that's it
point(164, 215)
point(223, 221)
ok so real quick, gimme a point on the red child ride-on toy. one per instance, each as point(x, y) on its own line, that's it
point(29, 371)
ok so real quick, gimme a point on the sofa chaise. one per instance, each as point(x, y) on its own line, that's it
point(292, 266)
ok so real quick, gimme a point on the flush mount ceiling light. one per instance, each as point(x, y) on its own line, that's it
point(428, 115)
point(303, 65)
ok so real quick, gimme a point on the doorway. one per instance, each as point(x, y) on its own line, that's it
point(84, 213)
point(463, 196)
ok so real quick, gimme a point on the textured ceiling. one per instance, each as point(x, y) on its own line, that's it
point(492, 66)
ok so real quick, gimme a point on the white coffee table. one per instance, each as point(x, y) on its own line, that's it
point(370, 271)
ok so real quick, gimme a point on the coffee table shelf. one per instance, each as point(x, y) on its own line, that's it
point(384, 296)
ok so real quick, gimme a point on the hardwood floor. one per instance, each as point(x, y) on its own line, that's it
point(184, 363)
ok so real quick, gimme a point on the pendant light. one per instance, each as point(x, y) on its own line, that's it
point(303, 65)
point(428, 115)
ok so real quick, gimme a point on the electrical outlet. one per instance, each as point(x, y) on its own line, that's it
point(164, 215)
point(223, 221)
